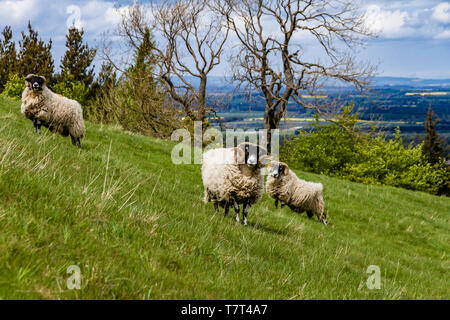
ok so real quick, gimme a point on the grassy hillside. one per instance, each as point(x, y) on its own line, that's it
point(137, 227)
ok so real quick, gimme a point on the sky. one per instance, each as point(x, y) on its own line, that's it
point(414, 36)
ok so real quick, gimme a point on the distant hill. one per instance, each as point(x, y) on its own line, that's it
point(410, 82)
point(224, 84)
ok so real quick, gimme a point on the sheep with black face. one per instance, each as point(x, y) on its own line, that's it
point(299, 195)
point(59, 114)
point(232, 176)
point(30, 108)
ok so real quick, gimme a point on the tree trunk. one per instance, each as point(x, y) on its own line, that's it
point(270, 123)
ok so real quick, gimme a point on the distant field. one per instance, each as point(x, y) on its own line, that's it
point(254, 120)
point(136, 226)
point(427, 94)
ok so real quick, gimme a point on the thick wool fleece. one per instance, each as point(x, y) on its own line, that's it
point(298, 194)
point(224, 180)
point(56, 112)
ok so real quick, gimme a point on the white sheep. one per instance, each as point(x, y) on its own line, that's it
point(233, 176)
point(299, 195)
point(57, 113)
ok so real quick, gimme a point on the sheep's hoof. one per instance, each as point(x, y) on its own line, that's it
point(237, 218)
point(244, 222)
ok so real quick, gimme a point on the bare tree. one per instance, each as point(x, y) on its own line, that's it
point(271, 55)
point(190, 42)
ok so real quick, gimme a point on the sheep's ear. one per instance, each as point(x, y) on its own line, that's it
point(262, 150)
point(43, 78)
point(265, 160)
point(28, 77)
point(284, 168)
point(239, 155)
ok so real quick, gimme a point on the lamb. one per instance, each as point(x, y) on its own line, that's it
point(299, 195)
point(232, 176)
point(57, 113)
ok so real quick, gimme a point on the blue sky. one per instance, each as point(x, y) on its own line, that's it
point(414, 40)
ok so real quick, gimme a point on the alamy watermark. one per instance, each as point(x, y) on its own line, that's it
point(374, 280)
point(74, 19)
point(213, 138)
point(74, 280)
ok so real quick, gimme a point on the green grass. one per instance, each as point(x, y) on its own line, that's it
point(136, 226)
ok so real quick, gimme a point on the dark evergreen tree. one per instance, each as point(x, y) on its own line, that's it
point(78, 57)
point(434, 147)
point(34, 55)
point(8, 56)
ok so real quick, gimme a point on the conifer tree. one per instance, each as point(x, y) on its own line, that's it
point(78, 57)
point(34, 55)
point(8, 56)
point(434, 147)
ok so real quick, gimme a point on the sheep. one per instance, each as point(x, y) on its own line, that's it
point(232, 176)
point(299, 195)
point(57, 113)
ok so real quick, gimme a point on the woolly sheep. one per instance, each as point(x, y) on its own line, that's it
point(233, 176)
point(283, 185)
point(57, 113)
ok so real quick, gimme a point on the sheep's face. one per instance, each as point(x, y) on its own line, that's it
point(278, 169)
point(35, 82)
point(251, 154)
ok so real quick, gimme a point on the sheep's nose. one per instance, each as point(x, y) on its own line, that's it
point(252, 161)
point(35, 85)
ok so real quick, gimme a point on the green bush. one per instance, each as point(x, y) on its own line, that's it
point(339, 149)
point(327, 149)
point(72, 89)
point(14, 87)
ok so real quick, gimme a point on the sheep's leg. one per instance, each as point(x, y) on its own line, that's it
point(276, 203)
point(35, 124)
point(236, 210)
point(283, 205)
point(74, 141)
point(227, 209)
point(323, 218)
point(39, 125)
point(79, 143)
point(216, 207)
point(244, 213)
point(310, 213)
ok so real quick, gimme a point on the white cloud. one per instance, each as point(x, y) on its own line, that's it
point(398, 20)
point(13, 12)
point(443, 35)
point(390, 24)
point(99, 16)
point(441, 12)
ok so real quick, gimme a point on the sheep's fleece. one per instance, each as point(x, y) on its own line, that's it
point(56, 112)
point(225, 180)
point(298, 194)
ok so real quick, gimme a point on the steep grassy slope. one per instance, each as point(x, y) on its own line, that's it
point(136, 226)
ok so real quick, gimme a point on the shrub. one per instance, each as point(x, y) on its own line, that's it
point(14, 87)
point(72, 89)
point(135, 100)
point(326, 149)
point(339, 149)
